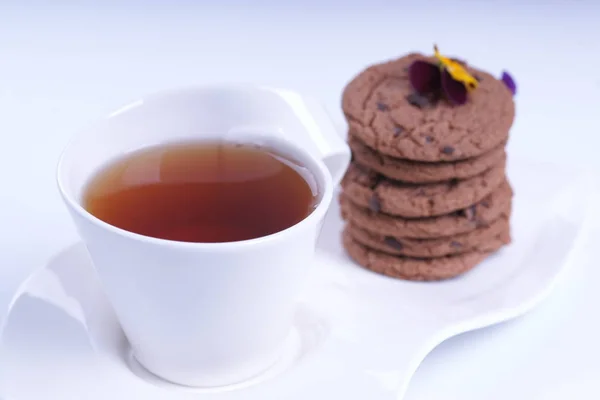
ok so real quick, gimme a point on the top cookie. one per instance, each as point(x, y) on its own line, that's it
point(384, 111)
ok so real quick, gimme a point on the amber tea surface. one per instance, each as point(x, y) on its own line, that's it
point(202, 192)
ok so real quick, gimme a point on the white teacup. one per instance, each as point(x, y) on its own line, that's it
point(206, 314)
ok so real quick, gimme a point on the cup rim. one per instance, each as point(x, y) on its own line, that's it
point(74, 205)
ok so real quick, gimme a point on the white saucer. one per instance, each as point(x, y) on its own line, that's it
point(358, 335)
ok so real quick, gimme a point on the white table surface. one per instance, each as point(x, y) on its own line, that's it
point(62, 64)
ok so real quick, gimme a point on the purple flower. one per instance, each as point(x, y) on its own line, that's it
point(448, 77)
point(429, 78)
point(509, 82)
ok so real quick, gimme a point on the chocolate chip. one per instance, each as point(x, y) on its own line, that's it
point(428, 139)
point(367, 176)
point(375, 203)
point(418, 100)
point(469, 213)
point(406, 69)
point(455, 244)
point(485, 204)
point(448, 150)
point(363, 170)
point(453, 182)
point(398, 130)
point(477, 78)
point(393, 242)
point(375, 180)
point(382, 107)
point(481, 223)
point(352, 157)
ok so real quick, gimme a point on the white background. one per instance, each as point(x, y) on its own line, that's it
point(62, 64)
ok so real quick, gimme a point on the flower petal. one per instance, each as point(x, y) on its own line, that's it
point(424, 77)
point(455, 91)
point(509, 82)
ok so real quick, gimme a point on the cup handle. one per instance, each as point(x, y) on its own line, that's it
point(323, 137)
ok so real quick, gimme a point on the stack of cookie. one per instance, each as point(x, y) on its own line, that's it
point(426, 196)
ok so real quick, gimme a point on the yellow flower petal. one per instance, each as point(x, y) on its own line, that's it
point(456, 71)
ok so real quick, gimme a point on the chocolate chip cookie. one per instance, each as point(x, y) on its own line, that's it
point(385, 112)
point(423, 172)
point(419, 269)
point(495, 205)
point(481, 239)
point(369, 189)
